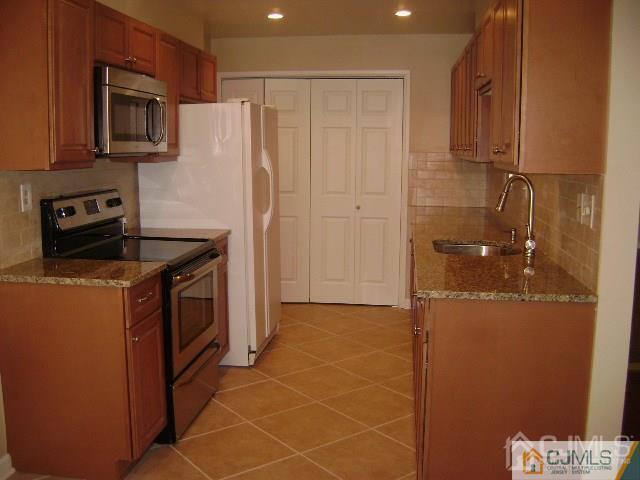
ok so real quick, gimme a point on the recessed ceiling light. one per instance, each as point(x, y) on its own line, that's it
point(275, 16)
point(403, 13)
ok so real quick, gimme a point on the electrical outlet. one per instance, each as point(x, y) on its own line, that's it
point(26, 200)
point(586, 207)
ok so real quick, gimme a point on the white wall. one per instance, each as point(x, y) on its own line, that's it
point(619, 226)
point(429, 58)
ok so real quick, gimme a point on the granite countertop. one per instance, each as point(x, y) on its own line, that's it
point(486, 278)
point(214, 234)
point(95, 273)
point(101, 273)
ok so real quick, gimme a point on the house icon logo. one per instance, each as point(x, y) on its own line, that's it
point(532, 462)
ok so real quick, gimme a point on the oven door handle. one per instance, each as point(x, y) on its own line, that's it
point(187, 277)
point(193, 276)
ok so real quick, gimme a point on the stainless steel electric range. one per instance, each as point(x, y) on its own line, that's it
point(93, 226)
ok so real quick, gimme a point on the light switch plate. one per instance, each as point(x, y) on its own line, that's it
point(26, 199)
point(586, 207)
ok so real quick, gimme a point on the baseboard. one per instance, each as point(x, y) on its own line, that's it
point(6, 470)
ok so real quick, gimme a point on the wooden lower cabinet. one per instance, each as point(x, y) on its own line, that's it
point(146, 381)
point(496, 368)
point(83, 376)
point(223, 299)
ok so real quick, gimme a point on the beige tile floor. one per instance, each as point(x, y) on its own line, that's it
point(331, 398)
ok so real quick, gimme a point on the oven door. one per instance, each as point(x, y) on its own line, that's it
point(132, 123)
point(194, 312)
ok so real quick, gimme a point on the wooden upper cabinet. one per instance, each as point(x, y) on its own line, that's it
point(111, 36)
point(498, 15)
point(47, 120)
point(484, 53)
point(198, 81)
point(549, 85)
point(72, 122)
point(142, 47)
point(168, 70)
point(190, 80)
point(207, 68)
point(146, 381)
point(124, 41)
point(565, 86)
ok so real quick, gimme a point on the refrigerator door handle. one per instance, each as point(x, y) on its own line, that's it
point(268, 166)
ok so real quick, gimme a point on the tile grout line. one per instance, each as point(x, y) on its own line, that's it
point(374, 382)
point(283, 443)
point(367, 428)
point(253, 469)
point(190, 462)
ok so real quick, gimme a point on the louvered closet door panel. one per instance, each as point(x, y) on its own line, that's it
point(333, 166)
point(292, 99)
point(251, 88)
point(378, 191)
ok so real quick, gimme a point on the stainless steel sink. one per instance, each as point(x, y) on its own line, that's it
point(479, 248)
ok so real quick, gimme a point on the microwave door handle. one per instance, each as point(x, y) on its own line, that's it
point(147, 121)
point(163, 121)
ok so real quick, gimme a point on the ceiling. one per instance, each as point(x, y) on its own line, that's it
point(247, 18)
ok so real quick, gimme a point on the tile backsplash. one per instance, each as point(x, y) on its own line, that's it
point(559, 233)
point(20, 235)
point(439, 181)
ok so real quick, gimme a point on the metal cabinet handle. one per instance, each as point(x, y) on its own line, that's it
point(417, 331)
point(135, 339)
point(134, 59)
point(146, 298)
point(128, 59)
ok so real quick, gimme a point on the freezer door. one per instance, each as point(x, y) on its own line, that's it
point(265, 240)
point(272, 218)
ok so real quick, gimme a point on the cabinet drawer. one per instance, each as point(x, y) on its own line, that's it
point(144, 299)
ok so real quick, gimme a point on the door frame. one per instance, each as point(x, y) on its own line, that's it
point(403, 300)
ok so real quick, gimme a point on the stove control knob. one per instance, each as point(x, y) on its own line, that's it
point(114, 202)
point(64, 212)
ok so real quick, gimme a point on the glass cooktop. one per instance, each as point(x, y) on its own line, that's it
point(171, 251)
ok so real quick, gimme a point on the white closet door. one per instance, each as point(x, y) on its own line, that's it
point(251, 88)
point(378, 190)
point(333, 166)
point(291, 97)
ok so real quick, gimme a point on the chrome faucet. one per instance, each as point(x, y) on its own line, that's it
point(530, 243)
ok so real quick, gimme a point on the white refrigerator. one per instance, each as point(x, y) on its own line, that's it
point(227, 177)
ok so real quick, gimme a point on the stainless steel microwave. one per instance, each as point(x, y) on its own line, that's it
point(131, 113)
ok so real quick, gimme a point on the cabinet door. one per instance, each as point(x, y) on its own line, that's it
point(207, 73)
point(452, 117)
point(142, 47)
point(168, 70)
point(419, 313)
point(510, 77)
point(72, 83)
point(189, 78)
point(111, 36)
point(496, 83)
point(484, 55)
point(147, 394)
point(223, 310)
